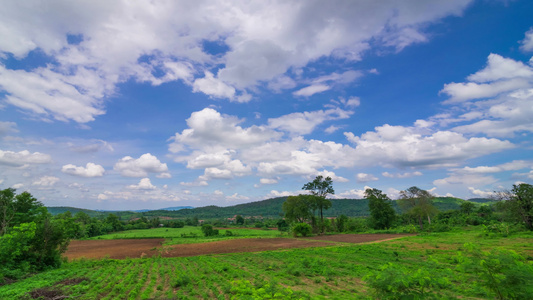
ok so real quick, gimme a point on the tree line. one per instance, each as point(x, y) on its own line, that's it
point(304, 213)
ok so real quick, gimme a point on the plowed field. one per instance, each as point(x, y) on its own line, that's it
point(133, 248)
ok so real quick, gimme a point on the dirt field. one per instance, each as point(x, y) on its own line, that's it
point(120, 249)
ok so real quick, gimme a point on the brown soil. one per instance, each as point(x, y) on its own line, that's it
point(146, 247)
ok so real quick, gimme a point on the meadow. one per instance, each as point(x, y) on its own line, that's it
point(435, 265)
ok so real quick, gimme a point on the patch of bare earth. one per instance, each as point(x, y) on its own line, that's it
point(119, 249)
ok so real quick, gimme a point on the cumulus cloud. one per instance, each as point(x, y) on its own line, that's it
point(140, 167)
point(157, 42)
point(363, 177)
point(46, 181)
point(22, 158)
point(90, 170)
point(480, 193)
point(510, 166)
point(496, 101)
point(401, 146)
point(306, 122)
point(527, 42)
point(144, 184)
point(213, 87)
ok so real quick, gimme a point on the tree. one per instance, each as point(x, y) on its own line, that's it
point(298, 208)
point(417, 203)
point(519, 203)
point(320, 187)
point(381, 212)
point(239, 220)
point(467, 207)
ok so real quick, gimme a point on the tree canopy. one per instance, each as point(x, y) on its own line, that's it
point(417, 203)
point(381, 211)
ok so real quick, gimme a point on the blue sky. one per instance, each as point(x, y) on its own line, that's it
point(114, 105)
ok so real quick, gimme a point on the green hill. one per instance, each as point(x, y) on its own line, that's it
point(270, 208)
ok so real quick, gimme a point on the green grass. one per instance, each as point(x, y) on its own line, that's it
point(173, 236)
point(333, 272)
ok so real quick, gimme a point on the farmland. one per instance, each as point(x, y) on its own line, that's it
point(338, 271)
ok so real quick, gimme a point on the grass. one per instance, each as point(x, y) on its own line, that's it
point(333, 272)
point(174, 236)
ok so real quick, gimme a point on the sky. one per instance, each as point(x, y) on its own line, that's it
point(122, 105)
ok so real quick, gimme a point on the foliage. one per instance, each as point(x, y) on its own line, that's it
point(417, 203)
point(244, 289)
point(519, 203)
point(208, 230)
point(302, 229)
point(381, 212)
point(320, 187)
point(340, 222)
point(298, 208)
point(393, 281)
point(507, 274)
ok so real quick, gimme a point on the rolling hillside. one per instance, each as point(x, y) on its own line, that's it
point(270, 208)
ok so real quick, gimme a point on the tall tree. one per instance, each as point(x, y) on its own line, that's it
point(298, 208)
point(519, 203)
point(418, 203)
point(381, 212)
point(320, 187)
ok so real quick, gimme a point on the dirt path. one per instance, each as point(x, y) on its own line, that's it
point(120, 249)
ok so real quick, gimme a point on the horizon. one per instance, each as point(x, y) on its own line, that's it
point(106, 105)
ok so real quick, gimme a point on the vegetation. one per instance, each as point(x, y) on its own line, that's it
point(439, 263)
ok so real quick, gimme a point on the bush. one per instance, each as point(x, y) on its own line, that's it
point(209, 231)
point(302, 229)
point(395, 282)
point(504, 272)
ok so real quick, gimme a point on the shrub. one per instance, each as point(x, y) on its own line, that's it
point(302, 229)
point(208, 230)
point(503, 272)
point(395, 282)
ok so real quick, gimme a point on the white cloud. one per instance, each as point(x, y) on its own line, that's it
point(465, 179)
point(305, 123)
point(46, 181)
point(268, 180)
point(209, 128)
point(276, 194)
point(91, 147)
point(311, 90)
point(144, 184)
point(402, 175)
point(17, 186)
point(140, 167)
point(157, 42)
point(510, 166)
point(354, 193)
point(214, 87)
point(90, 170)
point(401, 146)
point(480, 193)
point(499, 68)
point(332, 175)
point(527, 42)
point(24, 157)
point(363, 177)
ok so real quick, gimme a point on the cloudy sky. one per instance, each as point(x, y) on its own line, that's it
point(150, 104)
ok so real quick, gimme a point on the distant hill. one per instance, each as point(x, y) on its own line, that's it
point(481, 200)
point(269, 208)
point(174, 208)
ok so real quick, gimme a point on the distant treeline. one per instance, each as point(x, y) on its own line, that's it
point(270, 208)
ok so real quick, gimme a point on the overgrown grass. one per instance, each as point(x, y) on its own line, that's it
point(334, 272)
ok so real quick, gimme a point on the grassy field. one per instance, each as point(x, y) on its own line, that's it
point(189, 234)
point(338, 272)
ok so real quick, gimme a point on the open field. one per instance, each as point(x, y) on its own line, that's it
point(333, 272)
point(137, 248)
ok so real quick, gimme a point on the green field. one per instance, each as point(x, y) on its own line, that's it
point(335, 272)
point(193, 234)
